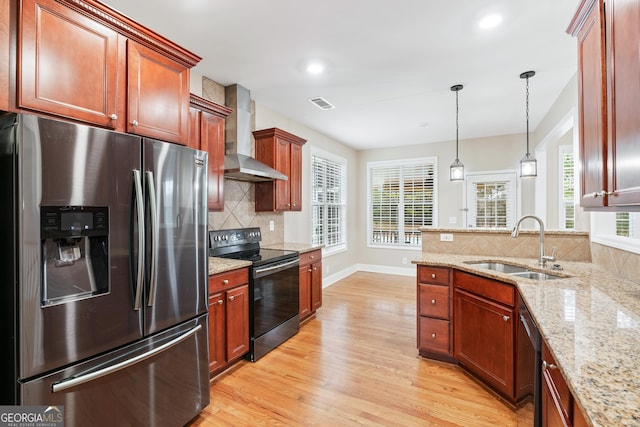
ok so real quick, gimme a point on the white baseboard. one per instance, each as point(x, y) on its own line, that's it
point(400, 271)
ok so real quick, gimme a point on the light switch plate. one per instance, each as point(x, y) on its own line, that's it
point(272, 225)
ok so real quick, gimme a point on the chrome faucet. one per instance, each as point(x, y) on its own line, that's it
point(542, 258)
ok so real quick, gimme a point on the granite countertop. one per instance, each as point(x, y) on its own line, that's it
point(591, 322)
point(298, 247)
point(222, 265)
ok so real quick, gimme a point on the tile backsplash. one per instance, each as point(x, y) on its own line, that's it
point(622, 263)
point(239, 212)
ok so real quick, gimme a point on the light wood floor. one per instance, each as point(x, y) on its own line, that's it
point(355, 364)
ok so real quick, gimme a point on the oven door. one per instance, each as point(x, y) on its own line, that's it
point(274, 296)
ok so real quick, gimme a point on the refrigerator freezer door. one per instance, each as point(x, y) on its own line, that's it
point(68, 165)
point(162, 381)
point(175, 178)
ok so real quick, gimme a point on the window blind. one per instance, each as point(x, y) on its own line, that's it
point(568, 214)
point(328, 201)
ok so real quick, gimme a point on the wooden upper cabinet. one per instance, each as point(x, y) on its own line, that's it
point(69, 64)
point(608, 35)
point(81, 60)
point(283, 152)
point(206, 133)
point(158, 95)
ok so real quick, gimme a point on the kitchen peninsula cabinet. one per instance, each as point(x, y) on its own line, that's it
point(283, 152)
point(310, 283)
point(81, 60)
point(206, 132)
point(228, 318)
point(434, 313)
point(608, 34)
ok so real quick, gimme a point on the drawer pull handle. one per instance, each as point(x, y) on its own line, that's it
point(433, 335)
point(433, 275)
point(506, 318)
point(231, 298)
point(225, 282)
point(433, 301)
point(546, 365)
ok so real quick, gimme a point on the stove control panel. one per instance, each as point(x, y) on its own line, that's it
point(233, 237)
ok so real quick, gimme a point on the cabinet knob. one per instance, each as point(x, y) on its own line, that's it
point(433, 275)
point(113, 117)
point(311, 257)
point(310, 270)
point(134, 123)
point(231, 298)
point(433, 301)
point(294, 205)
point(220, 302)
point(546, 365)
point(288, 205)
point(433, 335)
point(315, 268)
point(505, 318)
point(225, 282)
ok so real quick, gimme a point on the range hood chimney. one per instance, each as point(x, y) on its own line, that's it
point(238, 163)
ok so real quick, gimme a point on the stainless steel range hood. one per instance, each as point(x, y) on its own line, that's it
point(238, 163)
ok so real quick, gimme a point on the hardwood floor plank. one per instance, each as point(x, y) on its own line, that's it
point(354, 364)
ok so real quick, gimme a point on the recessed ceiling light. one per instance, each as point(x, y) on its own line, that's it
point(315, 68)
point(490, 21)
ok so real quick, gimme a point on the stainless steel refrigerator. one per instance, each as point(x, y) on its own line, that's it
point(103, 263)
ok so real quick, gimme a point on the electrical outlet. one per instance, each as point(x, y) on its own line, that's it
point(272, 225)
point(446, 237)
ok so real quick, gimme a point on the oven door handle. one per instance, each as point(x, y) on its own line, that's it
point(260, 271)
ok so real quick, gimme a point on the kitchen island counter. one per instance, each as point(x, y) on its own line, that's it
point(591, 322)
point(221, 265)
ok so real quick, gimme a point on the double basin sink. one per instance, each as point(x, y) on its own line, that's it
point(515, 270)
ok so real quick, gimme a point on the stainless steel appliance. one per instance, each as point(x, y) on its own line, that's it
point(104, 299)
point(274, 288)
point(533, 335)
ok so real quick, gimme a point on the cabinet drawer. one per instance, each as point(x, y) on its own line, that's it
point(555, 381)
point(434, 301)
point(491, 289)
point(310, 257)
point(434, 335)
point(436, 275)
point(222, 281)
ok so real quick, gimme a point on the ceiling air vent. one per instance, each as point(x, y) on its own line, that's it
point(322, 103)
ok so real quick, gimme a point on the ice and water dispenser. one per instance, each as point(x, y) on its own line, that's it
point(75, 252)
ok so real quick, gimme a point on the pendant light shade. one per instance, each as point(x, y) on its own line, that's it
point(528, 164)
point(456, 170)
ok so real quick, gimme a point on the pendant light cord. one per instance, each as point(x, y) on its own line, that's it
point(527, 116)
point(457, 125)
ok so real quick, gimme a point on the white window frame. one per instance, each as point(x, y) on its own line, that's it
point(490, 176)
point(342, 246)
point(603, 231)
point(400, 163)
point(562, 150)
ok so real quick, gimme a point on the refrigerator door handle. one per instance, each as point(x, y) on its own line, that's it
point(82, 379)
point(154, 236)
point(140, 211)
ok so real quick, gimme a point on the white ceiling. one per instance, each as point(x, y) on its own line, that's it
point(390, 64)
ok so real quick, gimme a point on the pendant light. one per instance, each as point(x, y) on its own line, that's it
point(528, 164)
point(456, 171)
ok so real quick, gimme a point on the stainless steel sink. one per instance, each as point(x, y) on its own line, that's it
point(536, 275)
point(515, 270)
point(498, 266)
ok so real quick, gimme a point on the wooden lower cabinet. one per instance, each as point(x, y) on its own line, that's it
point(434, 313)
point(559, 407)
point(228, 318)
point(484, 340)
point(310, 283)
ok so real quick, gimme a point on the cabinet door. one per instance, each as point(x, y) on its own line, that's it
point(212, 141)
point(484, 336)
point(283, 164)
point(217, 332)
point(592, 108)
point(552, 414)
point(193, 140)
point(433, 335)
point(295, 177)
point(68, 64)
point(158, 95)
point(305, 291)
point(433, 301)
point(237, 322)
point(623, 38)
point(316, 286)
